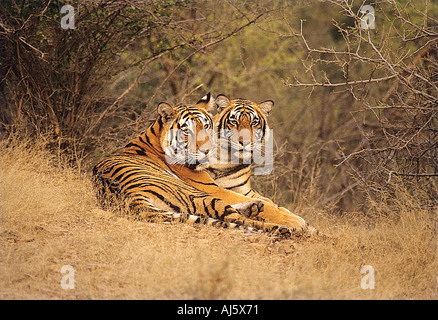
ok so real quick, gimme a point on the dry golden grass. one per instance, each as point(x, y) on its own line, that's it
point(49, 218)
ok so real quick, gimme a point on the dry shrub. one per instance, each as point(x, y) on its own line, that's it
point(49, 218)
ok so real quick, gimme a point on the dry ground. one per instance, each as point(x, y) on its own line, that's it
point(49, 218)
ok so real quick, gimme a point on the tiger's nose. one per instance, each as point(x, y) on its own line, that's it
point(244, 142)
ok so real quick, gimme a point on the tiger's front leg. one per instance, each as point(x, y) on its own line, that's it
point(271, 213)
point(239, 214)
point(297, 220)
point(271, 229)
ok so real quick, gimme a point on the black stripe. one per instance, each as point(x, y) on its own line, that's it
point(242, 173)
point(132, 144)
point(148, 141)
point(141, 138)
point(204, 183)
point(213, 206)
point(117, 171)
point(188, 202)
point(128, 175)
point(160, 124)
point(140, 152)
point(206, 208)
point(183, 201)
point(240, 184)
point(161, 197)
point(238, 168)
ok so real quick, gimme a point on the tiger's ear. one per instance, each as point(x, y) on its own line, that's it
point(222, 102)
point(166, 112)
point(206, 102)
point(266, 106)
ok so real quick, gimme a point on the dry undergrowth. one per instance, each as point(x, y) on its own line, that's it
point(49, 218)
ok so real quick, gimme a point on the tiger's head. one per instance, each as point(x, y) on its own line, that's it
point(187, 135)
point(241, 128)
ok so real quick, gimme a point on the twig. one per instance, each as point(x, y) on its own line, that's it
point(419, 175)
point(348, 83)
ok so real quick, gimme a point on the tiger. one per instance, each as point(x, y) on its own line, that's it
point(160, 175)
point(234, 117)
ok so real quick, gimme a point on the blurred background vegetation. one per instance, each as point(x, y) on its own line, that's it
point(355, 116)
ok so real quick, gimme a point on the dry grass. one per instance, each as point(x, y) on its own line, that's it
point(49, 218)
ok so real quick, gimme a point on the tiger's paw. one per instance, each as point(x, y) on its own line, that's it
point(284, 232)
point(250, 209)
point(295, 223)
point(276, 231)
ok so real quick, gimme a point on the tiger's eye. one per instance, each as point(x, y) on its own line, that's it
point(233, 121)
